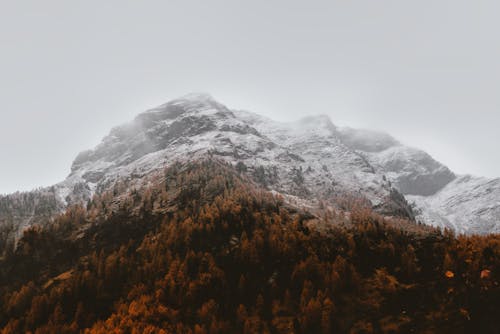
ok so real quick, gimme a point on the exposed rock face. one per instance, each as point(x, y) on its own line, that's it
point(310, 161)
point(306, 159)
point(467, 205)
point(412, 171)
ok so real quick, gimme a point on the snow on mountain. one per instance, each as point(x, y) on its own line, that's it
point(467, 205)
point(412, 171)
point(311, 160)
point(312, 145)
point(305, 158)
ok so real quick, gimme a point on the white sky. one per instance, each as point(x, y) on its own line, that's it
point(427, 71)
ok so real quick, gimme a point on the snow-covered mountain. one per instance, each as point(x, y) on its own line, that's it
point(412, 171)
point(305, 160)
point(468, 204)
point(310, 162)
point(464, 203)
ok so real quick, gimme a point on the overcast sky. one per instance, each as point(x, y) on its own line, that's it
point(425, 71)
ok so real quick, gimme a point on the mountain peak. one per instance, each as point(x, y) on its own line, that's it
point(311, 159)
point(190, 103)
point(197, 96)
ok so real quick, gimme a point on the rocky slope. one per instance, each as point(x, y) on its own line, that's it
point(467, 205)
point(306, 160)
point(311, 162)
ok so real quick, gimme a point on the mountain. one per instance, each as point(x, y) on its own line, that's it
point(194, 218)
point(305, 161)
point(205, 249)
point(468, 204)
point(311, 162)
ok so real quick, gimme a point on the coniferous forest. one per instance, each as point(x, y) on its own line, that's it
point(201, 248)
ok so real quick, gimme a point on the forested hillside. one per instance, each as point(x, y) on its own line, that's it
point(200, 248)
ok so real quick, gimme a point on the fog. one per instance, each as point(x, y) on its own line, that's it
point(426, 72)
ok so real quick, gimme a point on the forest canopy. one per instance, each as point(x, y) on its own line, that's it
point(202, 249)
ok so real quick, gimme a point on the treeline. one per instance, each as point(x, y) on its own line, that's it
point(203, 250)
point(22, 207)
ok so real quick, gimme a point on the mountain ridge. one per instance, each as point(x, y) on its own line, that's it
point(311, 160)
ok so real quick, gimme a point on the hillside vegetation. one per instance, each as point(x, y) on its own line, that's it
point(200, 248)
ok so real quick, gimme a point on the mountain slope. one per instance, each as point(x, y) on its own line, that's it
point(412, 171)
point(306, 159)
point(205, 249)
point(311, 162)
point(463, 203)
point(467, 205)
